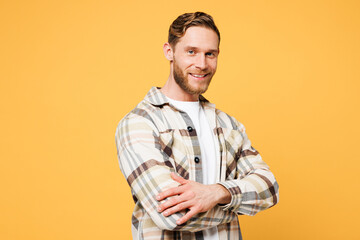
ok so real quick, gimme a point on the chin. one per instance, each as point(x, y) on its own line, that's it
point(198, 89)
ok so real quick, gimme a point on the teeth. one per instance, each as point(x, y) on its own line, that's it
point(198, 75)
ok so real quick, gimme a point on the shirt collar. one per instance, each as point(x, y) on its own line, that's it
point(157, 98)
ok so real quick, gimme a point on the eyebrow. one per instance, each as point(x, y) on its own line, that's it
point(196, 48)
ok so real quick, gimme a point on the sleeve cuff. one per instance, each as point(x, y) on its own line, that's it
point(235, 192)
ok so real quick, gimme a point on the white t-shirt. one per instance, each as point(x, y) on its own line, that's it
point(207, 147)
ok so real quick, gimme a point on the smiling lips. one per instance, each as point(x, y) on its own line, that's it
point(198, 76)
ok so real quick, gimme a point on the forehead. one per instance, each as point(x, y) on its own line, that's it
point(199, 37)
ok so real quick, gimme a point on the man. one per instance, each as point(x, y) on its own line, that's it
point(191, 167)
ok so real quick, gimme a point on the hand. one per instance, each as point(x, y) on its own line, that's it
point(191, 195)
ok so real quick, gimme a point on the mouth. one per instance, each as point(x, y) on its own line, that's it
point(199, 76)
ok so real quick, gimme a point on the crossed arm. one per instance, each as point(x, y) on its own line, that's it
point(191, 195)
point(171, 201)
point(150, 173)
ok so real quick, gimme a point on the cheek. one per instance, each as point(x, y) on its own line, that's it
point(213, 66)
point(187, 63)
point(184, 61)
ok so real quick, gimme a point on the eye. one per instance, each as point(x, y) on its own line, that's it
point(210, 54)
point(191, 52)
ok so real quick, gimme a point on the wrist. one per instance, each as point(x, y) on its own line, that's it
point(224, 196)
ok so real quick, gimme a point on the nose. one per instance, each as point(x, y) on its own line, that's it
point(201, 62)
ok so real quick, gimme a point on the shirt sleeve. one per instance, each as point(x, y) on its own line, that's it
point(147, 170)
point(254, 188)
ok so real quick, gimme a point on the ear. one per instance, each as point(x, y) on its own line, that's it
point(168, 51)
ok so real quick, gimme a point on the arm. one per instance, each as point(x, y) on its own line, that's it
point(191, 195)
point(254, 187)
point(147, 170)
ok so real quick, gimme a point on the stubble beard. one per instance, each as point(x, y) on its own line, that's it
point(182, 81)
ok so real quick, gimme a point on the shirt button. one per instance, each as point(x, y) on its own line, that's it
point(189, 129)
point(196, 159)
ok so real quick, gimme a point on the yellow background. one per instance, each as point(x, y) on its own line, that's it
point(70, 70)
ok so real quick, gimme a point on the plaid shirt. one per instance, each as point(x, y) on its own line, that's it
point(155, 139)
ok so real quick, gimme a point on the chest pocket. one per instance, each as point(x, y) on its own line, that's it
point(173, 148)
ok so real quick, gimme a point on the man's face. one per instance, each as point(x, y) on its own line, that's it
point(195, 59)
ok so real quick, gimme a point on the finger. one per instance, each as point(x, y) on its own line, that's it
point(187, 216)
point(178, 178)
point(169, 203)
point(177, 208)
point(170, 192)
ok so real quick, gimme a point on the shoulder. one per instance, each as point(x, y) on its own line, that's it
point(227, 121)
point(144, 110)
point(142, 117)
